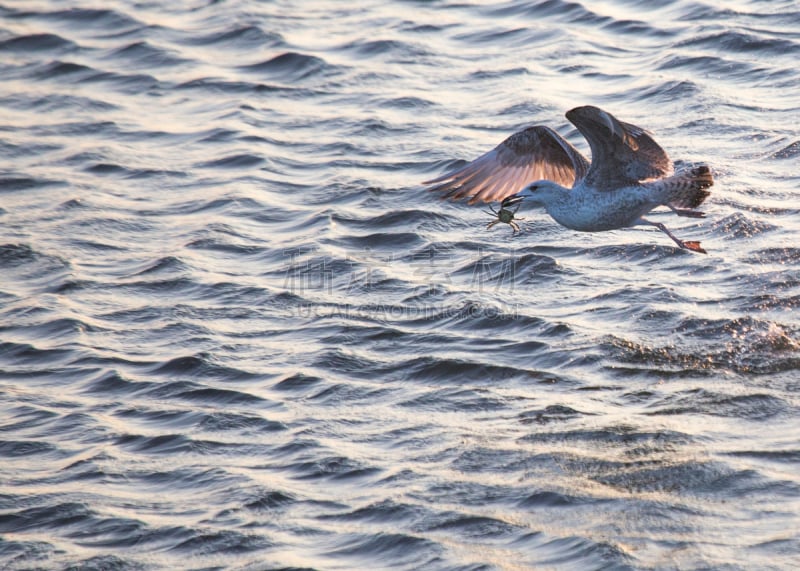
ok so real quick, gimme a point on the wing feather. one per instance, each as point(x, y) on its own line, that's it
point(532, 154)
point(622, 154)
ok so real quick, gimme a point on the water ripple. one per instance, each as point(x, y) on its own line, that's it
point(236, 331)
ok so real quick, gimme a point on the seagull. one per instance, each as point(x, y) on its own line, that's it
point(629, 175)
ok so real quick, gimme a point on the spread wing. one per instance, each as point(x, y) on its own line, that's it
point(622, 154)
point(535, 153)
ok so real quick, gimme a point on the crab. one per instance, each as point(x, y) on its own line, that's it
point(505, 215)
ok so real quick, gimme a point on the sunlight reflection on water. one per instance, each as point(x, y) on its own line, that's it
point(236, 331)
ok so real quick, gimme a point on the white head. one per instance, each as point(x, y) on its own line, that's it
point(541, 192)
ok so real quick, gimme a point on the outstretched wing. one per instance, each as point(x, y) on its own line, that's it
point(529, 155)
point(622, 154)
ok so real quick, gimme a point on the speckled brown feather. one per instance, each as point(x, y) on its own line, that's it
point(622, 154)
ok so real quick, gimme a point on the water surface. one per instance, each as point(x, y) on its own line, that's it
point(236, 333)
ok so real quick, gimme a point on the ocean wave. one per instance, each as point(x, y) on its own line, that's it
point(236, 330)
point(237, 36)
point(291, 66)
point(738, 225)
point(788, 152)
point(38, 42)
point(395, 48)
point(743, 42)
point(147, 55)
point(741, 345)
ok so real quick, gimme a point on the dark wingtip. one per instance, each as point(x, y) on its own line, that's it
point(581, 109)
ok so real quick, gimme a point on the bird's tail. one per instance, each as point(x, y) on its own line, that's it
point(687, 188)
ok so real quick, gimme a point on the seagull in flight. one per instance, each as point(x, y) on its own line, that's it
point(629, 175)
